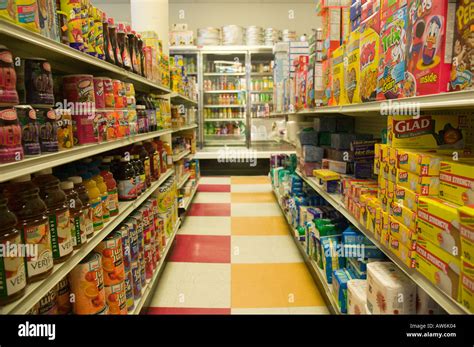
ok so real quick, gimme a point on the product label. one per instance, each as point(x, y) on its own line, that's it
point(61, 240)
point(97, 216)
point(39, 236)
point(147, 168)
point(88, 221)
point(78, 230)
point(129, 292)
point(136, 278)
point(143, 182)
point(12, 271)
point(113, 202)
point(127, 189)
point(105, 207)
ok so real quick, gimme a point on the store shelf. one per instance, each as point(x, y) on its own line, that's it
point(447, 303)
point(183, 180)
point(313, 268)
point(224, 120)
point(181, 99)
point(187, 201)
point(261, 91)
point(225, 106)
point(259, 74)
point(186, 127)
point(224, 91)
point(224, 73)
point(65, 59)
point(151, 285)
point(35, 291)
point(181, 155)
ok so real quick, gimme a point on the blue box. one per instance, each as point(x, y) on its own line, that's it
point(341, 277)
point(333, 258)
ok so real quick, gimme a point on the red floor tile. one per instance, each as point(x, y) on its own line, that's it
point(181, 310)
point(209, 210)
point(201, 249)
point(214, 188)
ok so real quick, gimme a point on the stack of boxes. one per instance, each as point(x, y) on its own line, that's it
point(180, 81)
point(315, 74)
point(299, 65)
point(281, 75)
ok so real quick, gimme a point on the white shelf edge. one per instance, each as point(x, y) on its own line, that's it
point(35, 291)
point(182, 99)
point(447, 303)
point(225, 106)
point(224, 119)
point(187, 201)
point(181, 155)
point(184, 180)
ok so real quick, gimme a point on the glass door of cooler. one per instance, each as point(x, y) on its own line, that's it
point(261, 96)
point(224, 98)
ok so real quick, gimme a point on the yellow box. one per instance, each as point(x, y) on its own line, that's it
point(369, 63)
point(378, 222)
point(352, 71)
point(466, 228)
point(426, 186)
point(378, 151)
point(438, 223)
point(457, 182)
point(406, 197)
point(439, 267)
point(377, 165)
point(364, 213)
point(391, 187)
point(384, 153)
point(403, 234)
point(392, 156)
point(467, 285)
point(326, 175)
point(426, 132)
point(338, 85)
point(384, 226)
point(422, 164)
point(402, 252)
point(404, 215)
point(373, 208)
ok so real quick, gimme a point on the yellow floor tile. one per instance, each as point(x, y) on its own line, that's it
point(250, 180)
point(273, 285)
point(253, 197)
point(259, 226)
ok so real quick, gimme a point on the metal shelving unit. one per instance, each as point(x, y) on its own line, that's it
point(446, 302)
point(187, 201)
point(181, 155)
point(181, 99)
point(35, 291)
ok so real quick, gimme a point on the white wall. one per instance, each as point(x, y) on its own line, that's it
point(118, 9)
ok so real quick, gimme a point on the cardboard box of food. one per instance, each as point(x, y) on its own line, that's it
point(439, 267)
point(457, 181)
point(402, 252)
point(438, 223)
point(426, 186)
point(467, 285)
point(466, 228)
point(422, 164)
point(403, 234)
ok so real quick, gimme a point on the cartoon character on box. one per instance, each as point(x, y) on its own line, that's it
point(462, 69)
point(391, 72)
point(427, 70)
point(369, 57)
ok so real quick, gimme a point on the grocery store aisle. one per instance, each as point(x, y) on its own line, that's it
point(234, 255)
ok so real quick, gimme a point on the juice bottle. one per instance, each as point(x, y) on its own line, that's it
point(140, 171)
point(113, 41)
point(127, 188)
point(111, 186)
point(58, 214)
point(154, 155)
point(163, 156)
point(122, 41)
point(140, 150)
point(153, 114)
point(132, 47)
point(141, 54)
point(95, 200)
point(109, 50)
point(104, 196)
point(12, 267)
point(25, 203)
point(76, 215)
point(88, 212)
point(169, 155)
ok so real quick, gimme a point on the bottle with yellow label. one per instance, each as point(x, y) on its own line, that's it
point(99, 180)
point(95, 199)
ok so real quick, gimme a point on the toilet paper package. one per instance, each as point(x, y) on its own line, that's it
point(389, 290)
point(341, 278)
point(423, 185)
point(425, 304)
point(467, 288)
point(312, 153)
point(438, 223)
point(457, 181)
point(357, 296)
point(422, 164)
point(466, 228)
point(439, 267)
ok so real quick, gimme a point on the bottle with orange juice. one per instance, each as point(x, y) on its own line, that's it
point(99, 180)
point(95, 199)
point(112, 191)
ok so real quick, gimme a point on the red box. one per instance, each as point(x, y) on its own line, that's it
point(389, 7)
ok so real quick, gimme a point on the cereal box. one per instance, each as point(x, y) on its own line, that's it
point(467, 285)
point(391, 71)
point(423, 185)
point(438, 223)
point(406, 197)
point(403, 234)
point(466, 228)
point(462, 69)
point(426, 132)
point(402, 252)
point(403, 215)
point(428, 68)
point(422, 164)
point(439, 267)
point(327, 83)
point(8, 10)
point(457, 182)
point(369, 57)
point(338, 87)
point(389, 7)
point(352, 71)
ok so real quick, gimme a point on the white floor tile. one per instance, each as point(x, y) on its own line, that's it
point(309, 310)
point(212, 198)
point(194, 285)
point(255, 210)
point(251, 188)
point(214, 180)
point(264, 249)
point(220, 226)
point(274, 310)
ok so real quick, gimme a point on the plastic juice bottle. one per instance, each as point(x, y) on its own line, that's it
point(12, 267)
point(140, 150)
point(113, 41)
point(169, 155)
point(152, 150)
point(88, 212)
point(76, 215)
point(95, 200)
point(140, 172)
point(104, 196)
point(111, 187)
point(58, 214)
point(127, 188)
point(132, 42)
point(123, 44)
point(163, 156)
point(24, 201)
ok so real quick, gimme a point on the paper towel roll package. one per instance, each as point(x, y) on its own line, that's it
point(357, 297)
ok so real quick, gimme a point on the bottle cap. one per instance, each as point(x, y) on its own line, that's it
point(48, 171)
point(75, 179)
point(66, 185)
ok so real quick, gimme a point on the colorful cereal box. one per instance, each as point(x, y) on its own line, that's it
point(428, 68)
point(466, 227)
point(457, 182)
point(369, 57)
point(389, 7)
point(327, 82)
point(393, 39)
point(352, 71)
point(8, 10)
point(462, 70)
point(338, 88)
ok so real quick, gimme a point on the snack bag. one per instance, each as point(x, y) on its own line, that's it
point(369, 57)
point(352, 70)
point(391, 70)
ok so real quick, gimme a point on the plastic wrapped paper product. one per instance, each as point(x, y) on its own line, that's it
point(272, 36)
point(357, 296)
point(209, 36)
point(232, 35)
point(254, 36)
